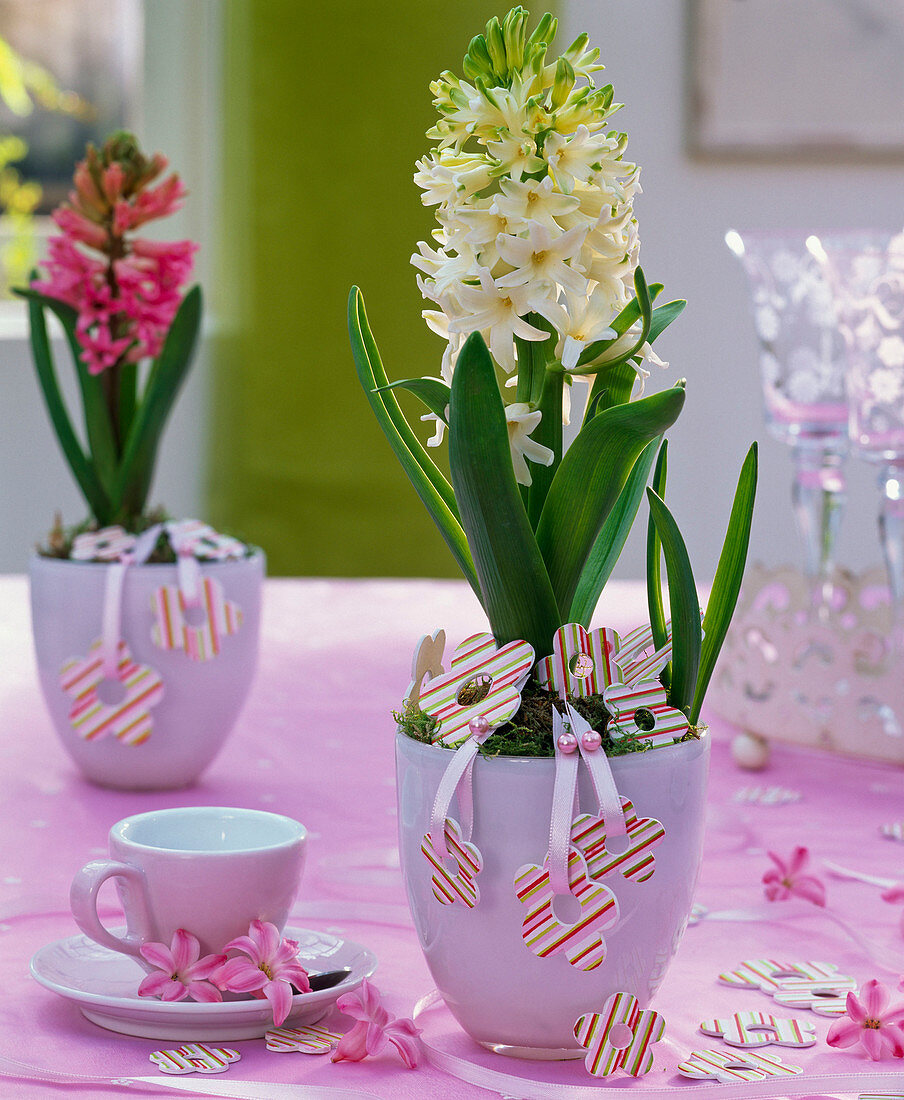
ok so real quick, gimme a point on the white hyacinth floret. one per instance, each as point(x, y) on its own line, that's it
point(534, 200)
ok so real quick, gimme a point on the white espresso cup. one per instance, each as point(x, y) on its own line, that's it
point(208, 869)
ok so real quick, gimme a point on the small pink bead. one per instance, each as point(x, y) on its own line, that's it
point(479, 726)
point(568, 743)
point(591, 740)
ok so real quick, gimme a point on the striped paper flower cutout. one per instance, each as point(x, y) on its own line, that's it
point(582, 662)
point(105, 707)
point(547, 932)
point(816, 986)
point(107, 544)
point(619, 1037)
point(635, 860)
point(195, 1058)
point(719, 1065)
point(760, 1029)
point(457, 883)
point(191, 536)
point(642, 709)
point(312, 1039)
point(483, 681)
point(219, 618)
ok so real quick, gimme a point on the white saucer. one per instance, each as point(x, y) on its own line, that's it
point(104, 985)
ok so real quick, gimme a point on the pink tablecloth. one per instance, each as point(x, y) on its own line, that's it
point(315, 742)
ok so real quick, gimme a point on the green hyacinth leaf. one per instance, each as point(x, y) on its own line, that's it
point(729, 574)
point(433, 392)
point(516, 592)
point(589, 481)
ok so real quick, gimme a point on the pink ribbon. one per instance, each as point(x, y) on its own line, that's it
point(564, 793)
point(111, 630)
point(607, 797)
point(456, 780)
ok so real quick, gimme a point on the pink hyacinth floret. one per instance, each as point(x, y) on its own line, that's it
point(374, 1028)
point(786, 880)
point(895, 894)
point(871, 1022)
point(267, 966)
point(180, 971)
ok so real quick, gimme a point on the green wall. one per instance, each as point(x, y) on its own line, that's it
point(324, 113)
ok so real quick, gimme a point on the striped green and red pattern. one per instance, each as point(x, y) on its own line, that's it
point(636, 862)
point(195, 1058)
point(582, 943)
point(128, 720)
point(729, 1066)
point(760, 1029)
point(607, 1050)
point(459, 885)
point(311, 1039)
point(506, 668)
point(555, 672)
point(171, 631)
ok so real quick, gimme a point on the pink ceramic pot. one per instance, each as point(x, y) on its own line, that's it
point(503, 995)
point(201, 700)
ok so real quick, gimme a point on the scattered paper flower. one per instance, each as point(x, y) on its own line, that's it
point(107, 544)
point(619, 1036)
point(267, 967)
point(785, 880)
point(374, 1028)
point(878, 1028)
point(180, 971)
point(195, 1058)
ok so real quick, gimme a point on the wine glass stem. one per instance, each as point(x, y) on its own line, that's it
point(818, 496)
point(891, 535)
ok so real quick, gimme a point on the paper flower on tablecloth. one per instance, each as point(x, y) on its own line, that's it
point(312, 1039)
point(893, 830)
point(191, 536)
point(895, 894)
point(201, 641)
point(816, 986)
point(760, 1029)
point(634, 860)
point(266, 966)
point(719, 1065)
point(180, 971)
point(786, 879)
point(870, 1021)
point(107, 544)
point(129, 698)
point(195, 1058)
point(454, 883)
point(484, 681)
point(577, 935)
point(619, 1037)
point(374, 1028)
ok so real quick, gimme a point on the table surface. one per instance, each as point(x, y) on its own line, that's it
point(315, 741)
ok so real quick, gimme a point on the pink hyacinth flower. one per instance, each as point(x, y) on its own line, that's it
point(896, 894)
point(180, 971)
point(374, 1028)
point(785, 879)
point(267, 967)
point(879, 1029)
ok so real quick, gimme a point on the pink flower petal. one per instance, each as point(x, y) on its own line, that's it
point(159, 955)
point(352, 1047)
point(408, 1047)
point(240, 976)
point(875, 998)
point(279, 994)
point(153, 984)
point(185, 948)
point(374, 1040)
point(266, 936)
point(204, 991)
point(894, 893)
point(844, 1033)
point(246, 945)
point(809, 887)
point(855, 1009)
point(779, 863)
point(871, 1039)
point(800, 857)
point(205, 967)
point(174, 991)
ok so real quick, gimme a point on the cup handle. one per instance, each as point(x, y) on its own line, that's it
point(83, 901)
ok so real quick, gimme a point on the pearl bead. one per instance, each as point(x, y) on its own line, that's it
point(568, 743)
point(591, 740)
point(750, 751)
point(479, 726)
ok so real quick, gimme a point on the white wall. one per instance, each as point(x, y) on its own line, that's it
point(683, 214)
point(177, 115)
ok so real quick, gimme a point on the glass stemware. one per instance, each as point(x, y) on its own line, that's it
point(866, 273)
point(802, 372)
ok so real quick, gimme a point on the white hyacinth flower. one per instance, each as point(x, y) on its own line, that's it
point(521, 421)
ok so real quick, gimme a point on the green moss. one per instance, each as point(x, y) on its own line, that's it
point(529, 733)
